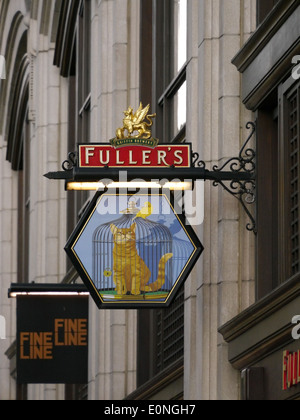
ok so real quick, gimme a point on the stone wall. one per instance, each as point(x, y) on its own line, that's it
point(222, 283)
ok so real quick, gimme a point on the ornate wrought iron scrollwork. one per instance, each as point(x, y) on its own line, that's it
point(197, 162)
point(242, 189)
point(246, 159)
point(71, 162)
point(237, 175)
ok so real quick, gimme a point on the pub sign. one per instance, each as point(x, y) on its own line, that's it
point(133, 251)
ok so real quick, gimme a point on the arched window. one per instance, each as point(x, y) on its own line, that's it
point(73, 57)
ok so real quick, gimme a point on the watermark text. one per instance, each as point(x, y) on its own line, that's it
point(296, 68)
point(189, 196)
point(296, 329)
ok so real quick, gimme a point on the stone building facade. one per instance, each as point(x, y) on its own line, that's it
point(72, 68)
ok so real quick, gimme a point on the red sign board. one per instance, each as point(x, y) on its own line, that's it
point(291, 369)
point(134, 156)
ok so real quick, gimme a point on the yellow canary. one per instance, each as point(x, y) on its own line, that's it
point(145, 211)
point(107, 272)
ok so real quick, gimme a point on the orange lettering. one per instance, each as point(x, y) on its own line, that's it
point(37, 352)
point(24, 336)
point(37, 339)
point(47, 338)
point(58, 324)
point(72, 339)
point(82, 339)
point(48, 353)
point(22, 355)
point(72, 325)
point(82, 325)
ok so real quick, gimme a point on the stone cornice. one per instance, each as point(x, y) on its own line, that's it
point(264, 33)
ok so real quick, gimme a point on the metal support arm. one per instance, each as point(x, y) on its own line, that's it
point(242, 176)
point(239, 180)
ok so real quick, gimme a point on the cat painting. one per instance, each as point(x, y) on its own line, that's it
point(131, 274)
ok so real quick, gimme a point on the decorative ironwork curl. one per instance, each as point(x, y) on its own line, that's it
point(197, 162)
point(243, 190)
point(70, 163)
point(246, 159)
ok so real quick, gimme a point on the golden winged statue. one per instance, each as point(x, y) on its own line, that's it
point(136, 123)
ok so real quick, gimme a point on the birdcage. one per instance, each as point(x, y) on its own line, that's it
point(182, 252)
point(133, 255)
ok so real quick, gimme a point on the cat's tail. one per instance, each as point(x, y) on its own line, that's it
point(158, 284)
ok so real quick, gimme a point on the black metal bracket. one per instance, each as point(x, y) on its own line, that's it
point(242, 176)
point(239, 180)
point(70, 163)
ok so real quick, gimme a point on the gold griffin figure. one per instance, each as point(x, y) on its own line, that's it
point(136, 122)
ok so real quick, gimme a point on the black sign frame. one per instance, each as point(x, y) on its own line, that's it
point(142, 304)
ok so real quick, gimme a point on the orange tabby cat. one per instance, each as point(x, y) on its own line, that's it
point(130, 271)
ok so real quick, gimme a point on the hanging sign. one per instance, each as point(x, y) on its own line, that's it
point(133, 146)
point(136, 153)
point(133, 251)
point(52, 340)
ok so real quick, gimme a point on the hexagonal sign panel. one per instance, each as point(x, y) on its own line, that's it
point(133, 251)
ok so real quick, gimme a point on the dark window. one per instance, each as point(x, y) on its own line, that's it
point(79, 132)
point(267, 199)
point(79, 104)
point(169, 78)
point(169, 334)
point(84, 71)
point(160, 339)
point(24, 207)
point(289, 170)
point(278, 257)
point(18, 154)
point(292, 123)
point(164, 43)
point(264, 7)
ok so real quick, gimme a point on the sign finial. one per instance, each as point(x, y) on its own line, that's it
point(136, 122)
